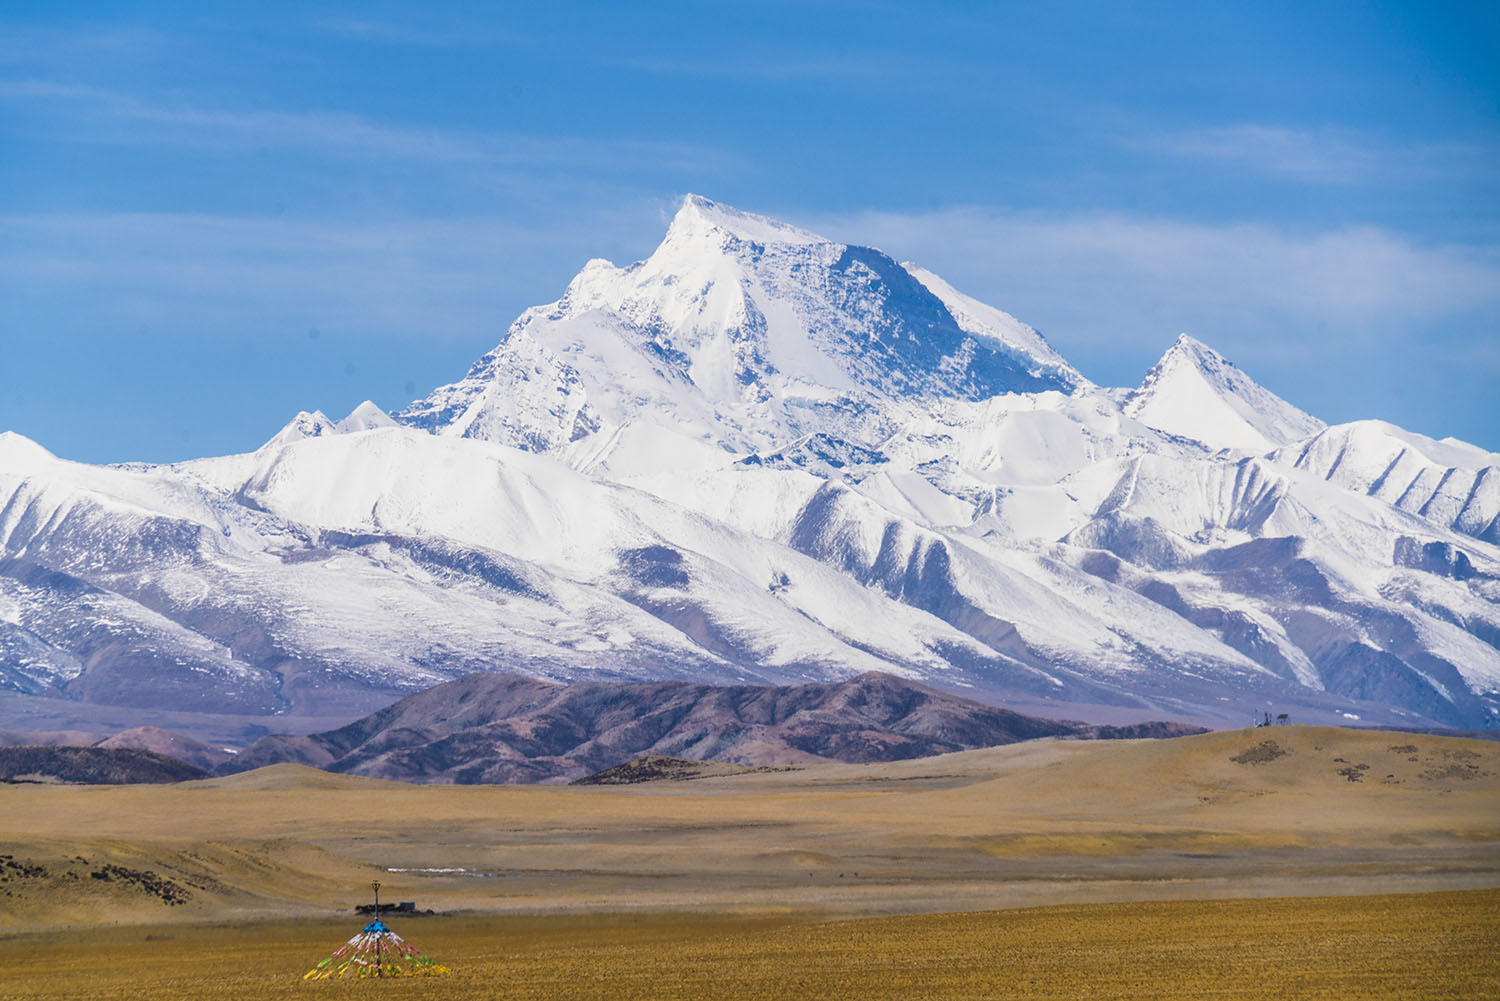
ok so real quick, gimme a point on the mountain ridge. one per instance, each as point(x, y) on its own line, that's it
point(751, 461)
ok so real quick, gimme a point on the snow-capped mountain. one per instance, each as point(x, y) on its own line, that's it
point(760, 455)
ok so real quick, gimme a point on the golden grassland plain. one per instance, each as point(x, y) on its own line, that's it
point(1435, 945)
point(732, 884)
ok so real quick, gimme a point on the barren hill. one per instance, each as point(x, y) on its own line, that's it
point(510, 728)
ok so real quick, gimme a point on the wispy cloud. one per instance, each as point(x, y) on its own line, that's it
point(99, 114)
point(1102, 280)
point(776, 68)
point(427, 35)
point(1319, 155)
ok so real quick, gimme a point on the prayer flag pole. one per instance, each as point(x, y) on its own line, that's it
point(353, 958)
point(379, 949)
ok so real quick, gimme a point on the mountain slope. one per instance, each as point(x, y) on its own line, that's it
point(1450, 483)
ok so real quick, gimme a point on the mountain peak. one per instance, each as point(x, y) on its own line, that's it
point(317, 424)
point(304, 425)
point(754, 331)
point(1191, 344)
point(364, 417)
point(15, 447)
point(1196, 392)
point(1203, 357)
point(699, 217)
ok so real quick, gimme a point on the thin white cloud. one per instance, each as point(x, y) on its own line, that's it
point(1350, 275)
point(775, 68)
point(1098, 282)
point(100, 114)
point(427, 35)
point(1320, 155)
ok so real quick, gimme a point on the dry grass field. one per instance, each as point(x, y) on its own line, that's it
point(1440, 946)
point(1103, 869)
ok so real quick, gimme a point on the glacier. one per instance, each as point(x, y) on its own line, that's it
point(763, 456)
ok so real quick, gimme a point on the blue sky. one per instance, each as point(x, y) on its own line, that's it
point(212, 217)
